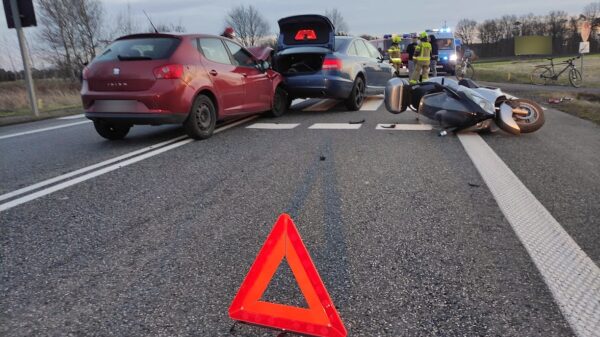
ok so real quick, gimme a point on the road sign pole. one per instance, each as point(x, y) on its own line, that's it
point(24, 54)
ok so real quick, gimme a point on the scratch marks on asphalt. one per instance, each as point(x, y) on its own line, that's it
point(333, 265)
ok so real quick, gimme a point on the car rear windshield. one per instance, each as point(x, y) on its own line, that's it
point(341, 43)
point(155, 48)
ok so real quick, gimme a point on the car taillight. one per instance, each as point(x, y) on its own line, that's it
point(84, 73)
point(332, 64)
point(168, 72)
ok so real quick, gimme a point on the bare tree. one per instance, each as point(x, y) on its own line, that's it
point(126, 23)
point(466, 30)
point(168, 28)
point(556, 21)
point(249, 25)
point(70, 32)
point(592, 11)
point(489, 31)
point(336, 17)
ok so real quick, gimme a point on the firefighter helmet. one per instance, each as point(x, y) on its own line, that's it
point(396, 39)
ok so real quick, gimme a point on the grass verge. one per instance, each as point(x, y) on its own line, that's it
point(518, 71)
point(55, 98)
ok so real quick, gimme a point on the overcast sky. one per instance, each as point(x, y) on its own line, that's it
point(366, 16)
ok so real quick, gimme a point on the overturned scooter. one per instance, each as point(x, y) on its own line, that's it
point(464, 105)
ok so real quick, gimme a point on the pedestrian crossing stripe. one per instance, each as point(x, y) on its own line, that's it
point(323, 105)
point(372, 103)
point(273, 126)
point(335, 126)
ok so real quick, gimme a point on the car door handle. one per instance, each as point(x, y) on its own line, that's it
point(244, 74)
point(213, 72)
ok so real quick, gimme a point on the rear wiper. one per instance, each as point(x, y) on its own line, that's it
point(133, 58)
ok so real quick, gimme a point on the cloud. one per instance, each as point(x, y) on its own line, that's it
point(365, 16)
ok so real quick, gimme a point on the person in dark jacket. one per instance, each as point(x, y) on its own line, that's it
point(410, 49)
point(434, 55)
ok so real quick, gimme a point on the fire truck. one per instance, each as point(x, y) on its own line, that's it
point(448, 49)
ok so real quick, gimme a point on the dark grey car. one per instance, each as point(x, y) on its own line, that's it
point(316, 63)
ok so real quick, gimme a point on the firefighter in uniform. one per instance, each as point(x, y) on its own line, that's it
point(395, 53)
point(422, 59)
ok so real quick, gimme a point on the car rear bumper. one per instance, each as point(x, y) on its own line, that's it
point(167, 102)
point(318, 86)
point(137, 118)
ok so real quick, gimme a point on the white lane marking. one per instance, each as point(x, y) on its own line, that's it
point(298, 101)
point(372, 103)
point(68, 183)
point(272, 126)
point(86, 169)
point(72, 117)
point(573, 278)
point(323, 105)
point(43, 129)
point(404, 127)
point(335, 126)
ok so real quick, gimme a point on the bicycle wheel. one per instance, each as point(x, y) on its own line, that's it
point(470, 72)
point(540, 75)
point(459, 71)
point(575, 77)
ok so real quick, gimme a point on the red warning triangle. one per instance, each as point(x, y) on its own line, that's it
point(320, 319)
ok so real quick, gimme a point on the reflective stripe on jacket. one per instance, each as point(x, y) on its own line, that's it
point(395, 54)
point(423, 52)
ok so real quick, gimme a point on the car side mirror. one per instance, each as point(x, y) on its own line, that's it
point(263, 66)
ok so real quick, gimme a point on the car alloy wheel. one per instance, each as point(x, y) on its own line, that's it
point(360, 93)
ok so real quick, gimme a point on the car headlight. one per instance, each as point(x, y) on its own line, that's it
point(453, 57)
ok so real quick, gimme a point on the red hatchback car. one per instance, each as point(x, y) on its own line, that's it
point(191, 79)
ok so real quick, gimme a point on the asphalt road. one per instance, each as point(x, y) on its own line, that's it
point(406, 235)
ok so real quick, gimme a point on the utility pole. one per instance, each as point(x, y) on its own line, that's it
point(24, 54)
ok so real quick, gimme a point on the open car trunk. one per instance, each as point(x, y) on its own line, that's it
point(299, 63)
point(306, 30)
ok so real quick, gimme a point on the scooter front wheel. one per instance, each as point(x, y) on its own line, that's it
point(528, 115)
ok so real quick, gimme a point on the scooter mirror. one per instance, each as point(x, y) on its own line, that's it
point(396, 95)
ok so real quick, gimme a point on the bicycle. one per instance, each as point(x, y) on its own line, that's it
point(465, 69)
point(541, 74)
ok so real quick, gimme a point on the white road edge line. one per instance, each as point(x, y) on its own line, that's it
point(404, 127)
point(86, 169)
point(42, 129)
point(68, 183)
point(273, 126)
point(335, 126)
point(572, 277)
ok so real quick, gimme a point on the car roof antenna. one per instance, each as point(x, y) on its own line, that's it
point(155, 30)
